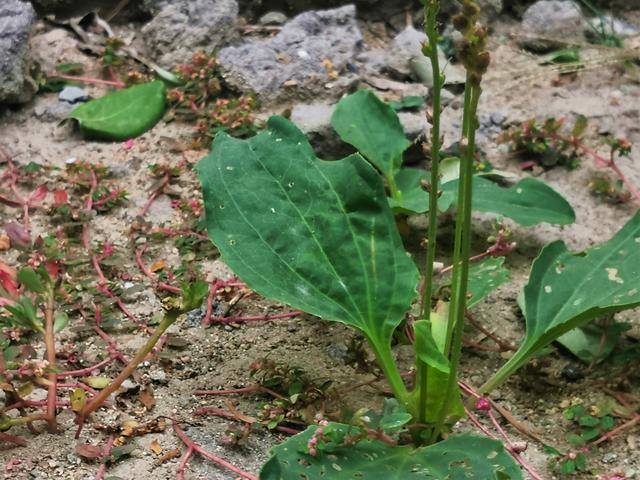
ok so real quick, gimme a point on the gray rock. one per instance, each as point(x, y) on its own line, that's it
point(406, 59)
point(549, 24)
point(311, 55)
point(16, 20)
point(273, 18)
point(73, 95)
point(612, 26)
point(53, 112)
point(182, 27)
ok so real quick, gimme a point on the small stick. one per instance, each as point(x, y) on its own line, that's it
point(503, 344)
point(237, 391)
point(90, 80)
point(50, 343)
point(612, 433)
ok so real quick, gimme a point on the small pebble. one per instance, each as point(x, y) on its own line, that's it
point(73, 95)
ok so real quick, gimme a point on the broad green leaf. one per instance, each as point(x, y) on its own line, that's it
point(528, 202)
point(30, 279)
point(371, 126)
point(567, 290)
point(123, 114)
point(459, 457)
point(485, 277)
point(426, 348)
point(593, 343)
point(316, 235)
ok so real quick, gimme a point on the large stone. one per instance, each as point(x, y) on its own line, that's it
point(310, 56)
point(549, 24)
point(16, 20)
point(181, 27)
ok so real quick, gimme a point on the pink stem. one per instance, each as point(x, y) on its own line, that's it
point(209, 456)
point(103, 466)
point(154, 195)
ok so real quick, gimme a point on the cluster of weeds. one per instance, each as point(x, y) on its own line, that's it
point(586, 426)
point(297, 393)
point(547, 143)
point(203, 98)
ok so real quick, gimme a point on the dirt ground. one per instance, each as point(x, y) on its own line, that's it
point(220, 356)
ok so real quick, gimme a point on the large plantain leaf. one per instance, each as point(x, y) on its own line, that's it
point(123, 114)
point(372, 126)
point(313, 234)
point(567, 290)
point(458, 457)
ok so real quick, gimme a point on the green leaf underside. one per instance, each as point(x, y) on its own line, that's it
point(316, 235)
point(528, 202)
point(458, 457)
point(123, 114)
point(371, 126)
point(567, 290)
point(485, 277)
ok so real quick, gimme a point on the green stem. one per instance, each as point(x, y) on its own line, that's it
point(462, 247)
point(431, 30)
point(382, 351)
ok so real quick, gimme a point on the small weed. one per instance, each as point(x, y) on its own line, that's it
point(204, 99)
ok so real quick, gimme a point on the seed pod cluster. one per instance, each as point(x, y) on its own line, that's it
point(472, 48)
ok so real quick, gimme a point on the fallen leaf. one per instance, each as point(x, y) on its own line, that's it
point(97, 382)
point(88, 451)
point(155, 447)
point(146, 398)
point(134, 429)
point(170, 455)
point(5, 242)
point(159, 265)
point(78, 399)
point(18, 235)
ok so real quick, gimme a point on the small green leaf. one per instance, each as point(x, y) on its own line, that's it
point(30, 279)
point(459, 457)
point(407, 103)
point(566, 55)
point(371, 126)
point(567, 290)
point(60, 322)
point(426, 348)
point(588, 421)
point(413, 198)
point(580, 126)
point(394, 416)
point(567, 467)
point(123, 114)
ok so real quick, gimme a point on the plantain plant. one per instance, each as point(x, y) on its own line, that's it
point(321, 236)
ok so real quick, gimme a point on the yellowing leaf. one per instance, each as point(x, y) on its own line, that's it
point(97, 382)
point(78, 399)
